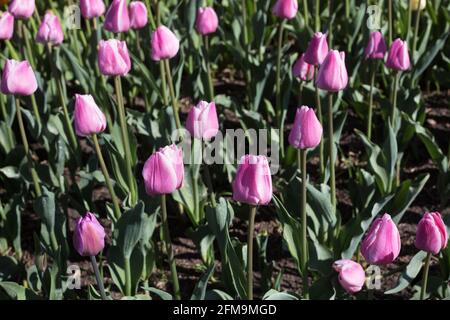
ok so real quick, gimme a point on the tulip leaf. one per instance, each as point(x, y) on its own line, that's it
point(276, 295)
point(200, 287)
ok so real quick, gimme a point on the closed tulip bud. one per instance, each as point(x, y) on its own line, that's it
point(351, 275)
point(302, 69)
point(50, 30)
point(332, 75)
point(418, 4)
point(89, 236)
point(138, 14)
point(22, 9)
point(376, 47)
point(286, 9)
point(6, 25)
point(113, 58)
point(117, 18)
point(207, 20)
point(202, 122)
point(398, 56)
point(88, 117)
point(382, 243)
point(317, 49)
point(165, 44)
point(18, 78)
point(164, 171)
point(307, 130)
point(431, 233)
point(92, 8)
point(253, 182)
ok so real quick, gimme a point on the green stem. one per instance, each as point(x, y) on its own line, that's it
point(408, 27)
point(279, 112)
point(319, 112)
point(162, 71)
point(36, 110)
point(425, 277)
point(26, 38)
point(347, 9)
point(250, 232)
point(150, 15)
point(331, 151)
point(317, 15)
point(390, 22)
point(394, 99)
point(416, 33)
point(11, 50)
point(54, 242)
point(244, 23)
point(5, 117)
point(209, 184)
point(304, 239)
point(369, 116)
point(306, 13)
point(330, 24)
point(208, 70)
point(195, 180)
point(172, 94)
point(127, 268)
point(98, 278)
point(300, 93)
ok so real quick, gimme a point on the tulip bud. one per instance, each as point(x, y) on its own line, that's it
point(317, 49)
point(398, 57)
point(307, 130)
point(22, 9)
point(332, 75)
point(302, 69)
point(6, 25)
point(138, 14)
point(376, 47)
point(50, 30)
point(202, 122)
point(286, 9)
point(18, 78)
point(113, 58)
point(207, 21)
point(431, 233)
point(88, 117)
point(351, 275)
point(92, 8)
point(165, 44)
point(382, 243)
point(117, 17)
point(418, 4)
point(164, 171)
point(253, 182)
point(89, 236)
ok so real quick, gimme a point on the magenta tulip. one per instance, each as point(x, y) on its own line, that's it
point(382, 243)
point(6, 25)
point(207, 21)
point(18, 78)
point(351, 275)
point(303, 70)
point(113, 58)
point(89, 236)
point(286, 9)
point(398, 56)
point(431, 234)
point(138, 14)
point(92, 8)
point(164, 171)
point(202, 122)
point(117, 17)
point(307, 130)
point(332, 75)
point(88, 117)
point(50, 30)
point(317, 49)
point(22, 9)
point(253, 181)
point(376, 47)
point(165, 44)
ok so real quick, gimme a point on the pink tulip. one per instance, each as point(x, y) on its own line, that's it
point(431, 234)
point(398, 56)
point(92, 8)
point(165, 44)
point(317, 49)
point(50, 30)
point(113, 58)
point(332, 75)
point(307, 130)
point(18, 78)
point(382, 243)
point(207, 21)
point(22, 9)
point(351, 275)
point(202, 122)
point(286, 9)
point(164, 171)
point(117, 17)
point(138, 14)
point(376, 47)
point(88, 117)
point(6, 25)
point(89, 236)
point(302, 69)
point(253, 182)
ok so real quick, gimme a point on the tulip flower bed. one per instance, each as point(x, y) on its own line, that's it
point(270, 149)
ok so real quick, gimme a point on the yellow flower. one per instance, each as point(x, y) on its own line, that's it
point(418, 4)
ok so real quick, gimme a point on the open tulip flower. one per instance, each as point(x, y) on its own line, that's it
point(18, 78)
point(113, 58)
point(138, 14)
point(286, 9)
point(207, 21)
point(92, 8)
point(398, 56)
point(202, 121)
point(22, 9)
point(165, 44)
point(6, 25)
point(50, 30)
point(117, 18)
point(351, 275)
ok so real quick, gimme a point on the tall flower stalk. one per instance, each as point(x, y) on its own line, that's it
point(250, 234)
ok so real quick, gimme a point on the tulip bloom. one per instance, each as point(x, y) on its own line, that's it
point(418, 4)
point(351, 275)
point(164, 171)
point(6, 25)
point(431, 234)
point(22, 9)
point(307, 130)
point(303, 70)
point(113, 58)
point(376, 47)
point(88, 117)
point(317, 49)
point(286, 9)
point(253, 181)
point(18, 78)
point(50, 30)
point(398, 57)
point(165, 44)
point(138, 14)
point(117, 17)
point(207, 21)
point(89, 236)
point(382, 243)
point(202, 122)
point(92, 8)
point(332, 74)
